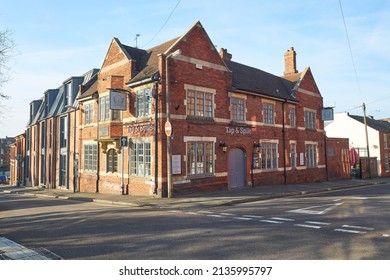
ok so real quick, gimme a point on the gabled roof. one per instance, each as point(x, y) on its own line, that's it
point(147, 60)
point(379, 125)
point(89, 88)
point(40, 113)
point(254, 80)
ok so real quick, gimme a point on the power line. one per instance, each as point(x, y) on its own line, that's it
point(166, 21)
point(350, 50)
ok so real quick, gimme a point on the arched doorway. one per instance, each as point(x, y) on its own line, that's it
point(237, 168)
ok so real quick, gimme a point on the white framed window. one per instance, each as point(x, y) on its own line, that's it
point(292, 117)
point(140, 159)
point(311, 155)
point(104, 108)
point(268, 112)
point(143, 103)
point(200, 158)
point(112, 160)
point(269, 155)
point(310, 119)
point(385, 143)
point(88, 113)
point(90, 157)
point(237, 107)
point(293, 155)
point(200, 104)
point(105, 114)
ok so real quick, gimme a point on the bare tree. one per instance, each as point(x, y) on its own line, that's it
point(7, 47)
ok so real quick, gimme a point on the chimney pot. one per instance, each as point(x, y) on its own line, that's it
point(225, 55)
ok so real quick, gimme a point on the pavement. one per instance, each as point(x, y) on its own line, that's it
point(199, 200)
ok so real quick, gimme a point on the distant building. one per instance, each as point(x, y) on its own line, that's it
point(5, 146)
point(50, 145)
point(17, 161)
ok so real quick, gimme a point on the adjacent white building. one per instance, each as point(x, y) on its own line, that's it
point(352, 127)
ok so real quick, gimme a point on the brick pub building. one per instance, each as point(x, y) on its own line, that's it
point(232, 125)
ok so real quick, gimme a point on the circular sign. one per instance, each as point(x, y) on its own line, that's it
point(168, 128)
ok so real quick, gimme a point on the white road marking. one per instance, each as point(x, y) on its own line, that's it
point(192, 213)
point(227, 214)
point(308, 210)
point(205, 212)
point(242, 218)
point(216, 216)
point(317, 223)
point(174, 211)
point(307, 226)
point(358, 227)
point(283, 219)
point(386, 235)
point(253, 216)
point(271, 221)
point(350, 231)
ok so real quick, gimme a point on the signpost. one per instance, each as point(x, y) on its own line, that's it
point(124, 142)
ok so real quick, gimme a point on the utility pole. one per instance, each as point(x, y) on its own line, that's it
point(368, 147)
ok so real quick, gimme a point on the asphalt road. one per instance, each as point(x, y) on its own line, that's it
point(351, 224)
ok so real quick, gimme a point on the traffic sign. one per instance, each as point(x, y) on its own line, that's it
point(124, 141)
point(168, 128)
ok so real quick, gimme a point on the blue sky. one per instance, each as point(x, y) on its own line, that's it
point(59, 39)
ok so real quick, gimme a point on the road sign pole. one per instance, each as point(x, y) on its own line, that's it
point(123, 172)
point(123, 143)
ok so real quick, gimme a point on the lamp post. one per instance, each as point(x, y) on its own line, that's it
point(168, 112)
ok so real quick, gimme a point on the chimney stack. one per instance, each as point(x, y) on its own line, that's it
point(290, 62)
point(225, 55)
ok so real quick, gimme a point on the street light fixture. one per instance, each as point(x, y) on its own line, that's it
point(168, 112)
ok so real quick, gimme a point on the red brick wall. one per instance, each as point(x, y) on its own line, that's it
point(384, 152)
point(338, 158)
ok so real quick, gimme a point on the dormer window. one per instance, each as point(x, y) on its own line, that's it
point(68, 94)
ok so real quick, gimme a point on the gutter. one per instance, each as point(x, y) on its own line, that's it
point(144, 81)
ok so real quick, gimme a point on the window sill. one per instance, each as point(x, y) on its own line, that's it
point(200, 120)
point(195, 177)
